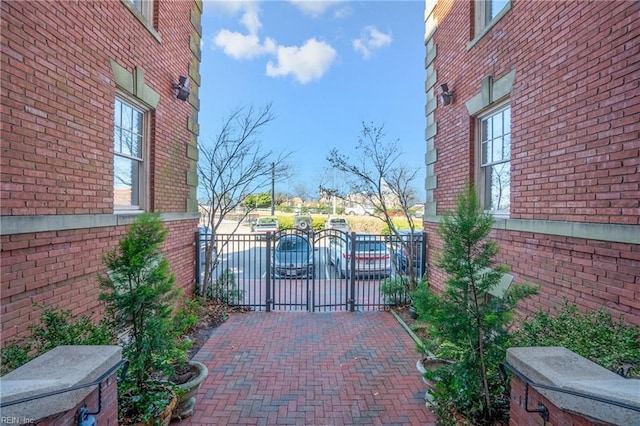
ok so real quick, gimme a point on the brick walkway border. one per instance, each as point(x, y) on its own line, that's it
point(310, 369)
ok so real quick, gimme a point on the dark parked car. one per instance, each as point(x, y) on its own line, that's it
point(292, 257)
point(205, 240)
point(412, 243)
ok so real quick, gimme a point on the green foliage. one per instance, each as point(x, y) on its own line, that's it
point(224, 289)
point(14, 355)
point(261, 200)
point(467, 318)
point(595, 335)
point(143, 406)
point(56, 328)
point(394, 290)
point(285, 222)
point(140, 296)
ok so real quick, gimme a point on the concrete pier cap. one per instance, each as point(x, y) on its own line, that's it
point(61, 368)
point(563, 369)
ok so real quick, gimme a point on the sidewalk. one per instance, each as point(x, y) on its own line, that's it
point(310, 369)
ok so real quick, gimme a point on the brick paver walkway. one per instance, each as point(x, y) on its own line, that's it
point(310, 369)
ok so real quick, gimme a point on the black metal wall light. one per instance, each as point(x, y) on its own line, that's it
point(182, 88)
point(446, 96)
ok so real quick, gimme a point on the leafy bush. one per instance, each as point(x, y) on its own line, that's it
point(140, 294)
point(57, 327)
point(394, 290)
point(594, 335)
point(224, 289)
point(465, 316)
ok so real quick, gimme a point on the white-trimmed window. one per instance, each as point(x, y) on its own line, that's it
point(494, 134)
point(144, 7)
point(129, 151)
point(486, 11)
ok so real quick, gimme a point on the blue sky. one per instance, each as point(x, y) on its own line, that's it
point(326, 67)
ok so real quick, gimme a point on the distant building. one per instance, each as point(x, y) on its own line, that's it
point(93, 133)
point(537, 103)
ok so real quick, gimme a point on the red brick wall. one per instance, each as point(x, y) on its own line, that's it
point(588, 273)
point(575, 140)
point(60, 269)
point(574, 106)
point(108, 415)
point(58, 97)
point(518, 416)
point(58, 92)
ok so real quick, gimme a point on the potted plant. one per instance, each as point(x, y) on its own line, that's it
point(430, 364)
point(187, 375)
point(140, 294)
point(468, 317)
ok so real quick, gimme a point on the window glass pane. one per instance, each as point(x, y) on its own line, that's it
point(497, 150)
point(495, 161)
point(486, 154)
point(506, 147)
point(486, 129)
point(128, 142)
point(117, 143)
point(118, 112)
point(497, 125)
point(500, 182)
point(122, 184)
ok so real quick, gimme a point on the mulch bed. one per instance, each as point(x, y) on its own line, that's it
point(418, 327)
point(212, 314)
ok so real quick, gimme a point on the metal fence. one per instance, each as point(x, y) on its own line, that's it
point(318, 271)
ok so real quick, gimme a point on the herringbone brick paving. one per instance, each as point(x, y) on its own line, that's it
point(310, 369)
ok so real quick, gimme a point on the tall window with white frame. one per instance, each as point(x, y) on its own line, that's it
point(128, 161)
point(486, 11)
point(145, 7)
point(495, 156)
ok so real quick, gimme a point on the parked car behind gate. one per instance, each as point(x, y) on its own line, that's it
point(412, 243)
point(338, 223)
point(372, 257)
point(265, 225)
point(205, 240)
point(292, 257)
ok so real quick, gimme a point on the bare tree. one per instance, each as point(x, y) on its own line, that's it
point(376, 173)
point(232, 166)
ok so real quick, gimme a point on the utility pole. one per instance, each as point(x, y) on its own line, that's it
point(273, 188)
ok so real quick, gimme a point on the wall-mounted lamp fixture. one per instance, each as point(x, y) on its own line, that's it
point(182, 88)
point(446, 97)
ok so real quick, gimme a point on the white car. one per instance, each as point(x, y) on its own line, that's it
point(338, 223)
point(372, 256)
point(358, 209)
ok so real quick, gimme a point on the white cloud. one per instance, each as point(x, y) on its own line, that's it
point(305, 63)
point(243, 46)
point(250, 19)
point(314, 7)
point(370, 41)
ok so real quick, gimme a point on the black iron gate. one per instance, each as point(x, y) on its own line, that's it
point(307, 271)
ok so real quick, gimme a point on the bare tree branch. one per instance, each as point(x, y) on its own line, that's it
point(232, 166)
point(377, 174)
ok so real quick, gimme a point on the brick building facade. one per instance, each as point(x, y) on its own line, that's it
point(542, 114)
point(92, 134)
